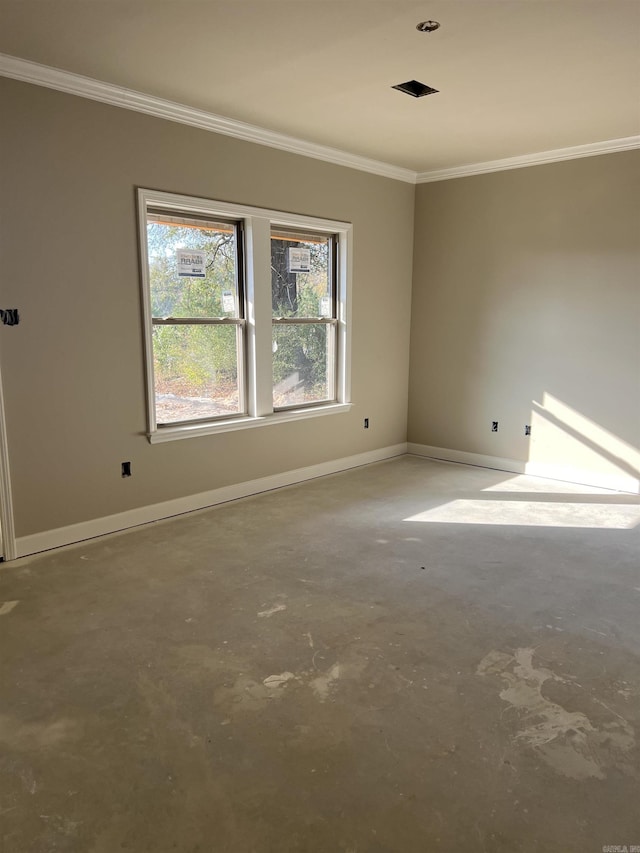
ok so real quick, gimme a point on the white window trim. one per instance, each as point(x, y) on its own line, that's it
point(257, 227)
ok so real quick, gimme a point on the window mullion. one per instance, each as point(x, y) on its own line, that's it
point(259, 336)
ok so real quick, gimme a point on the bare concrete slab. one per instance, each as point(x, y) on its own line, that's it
point(409, 657)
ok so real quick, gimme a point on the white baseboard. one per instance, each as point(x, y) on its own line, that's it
point(48, 539)
point(567, 474)
point(477, 459)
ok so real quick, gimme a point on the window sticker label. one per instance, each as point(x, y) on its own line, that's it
point(191, 263)
point(299, 260)
point(228, 302)
point(325, 306)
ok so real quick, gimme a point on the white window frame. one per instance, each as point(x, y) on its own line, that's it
point(257, 224)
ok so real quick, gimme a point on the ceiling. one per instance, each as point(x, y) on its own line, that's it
point(515, 77)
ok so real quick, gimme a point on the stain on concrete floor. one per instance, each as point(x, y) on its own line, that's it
point(567, 740)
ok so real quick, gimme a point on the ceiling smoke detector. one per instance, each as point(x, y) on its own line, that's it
point(428, 26)
point(415, 89)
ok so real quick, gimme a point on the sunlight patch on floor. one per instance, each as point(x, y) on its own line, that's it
point(527, 483)
point(533, 514)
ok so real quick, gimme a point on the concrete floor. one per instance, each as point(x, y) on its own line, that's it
point(409, 657)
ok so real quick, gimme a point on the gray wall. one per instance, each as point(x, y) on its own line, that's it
point(73, 369)
point(526, 310)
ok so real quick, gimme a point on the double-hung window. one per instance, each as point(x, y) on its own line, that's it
point(246, 315)
point(197, 317)
point(303, 273)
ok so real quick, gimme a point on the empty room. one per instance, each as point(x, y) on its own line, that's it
point(319, 426)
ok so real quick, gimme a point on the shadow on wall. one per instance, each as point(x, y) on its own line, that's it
point(559, 432)
point(525, 289)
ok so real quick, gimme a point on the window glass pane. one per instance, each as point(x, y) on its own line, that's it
point(300, 274)
point(192, 267)
point(303, 363)
point(196, 372)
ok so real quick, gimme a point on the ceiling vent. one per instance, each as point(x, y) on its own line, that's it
point(415, 88)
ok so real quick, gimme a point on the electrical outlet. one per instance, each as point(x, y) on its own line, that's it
point(494, 426)
point(366, 423)
point(527, 429)
point(126, 469)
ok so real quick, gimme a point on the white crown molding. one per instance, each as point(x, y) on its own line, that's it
point(86, 87)
point(593, 149)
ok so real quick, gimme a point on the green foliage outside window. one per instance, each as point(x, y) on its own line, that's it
point(206, 357)
point(202, 360)
point(300, 350)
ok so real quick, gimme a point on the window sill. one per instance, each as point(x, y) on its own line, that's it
point(244, 422)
